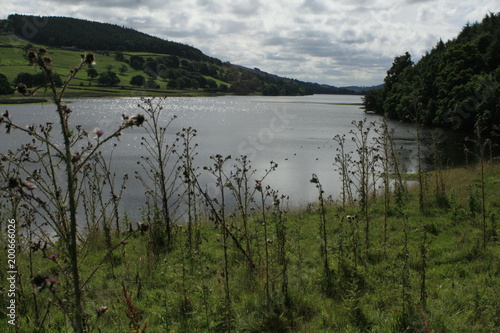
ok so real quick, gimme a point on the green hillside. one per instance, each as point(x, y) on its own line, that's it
point(159, 66)
point(13, 61)
point(83, 34)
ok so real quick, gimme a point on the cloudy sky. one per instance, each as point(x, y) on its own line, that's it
point(337, 42)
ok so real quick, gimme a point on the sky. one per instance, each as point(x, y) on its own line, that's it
point(335, 42)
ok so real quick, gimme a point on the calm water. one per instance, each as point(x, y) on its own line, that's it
point(295, 132)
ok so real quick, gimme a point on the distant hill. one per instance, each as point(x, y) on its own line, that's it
point(177, 64)
point(363, 89)
point(275, 82)
point(88, 35)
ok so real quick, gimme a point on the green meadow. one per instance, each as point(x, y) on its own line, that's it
point(13, 61)
point(427, 272)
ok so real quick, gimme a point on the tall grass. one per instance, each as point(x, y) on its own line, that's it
point(376, 261)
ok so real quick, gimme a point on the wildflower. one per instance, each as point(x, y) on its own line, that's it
point(47, 61)
point(88, 58)
point(52, 281)
point(136, 120)
point(22, 89)
point(76, 157)
point(351, 218)
point(102, 310)
point(258, 186)
point(32, 57)
point(29, 184)
point(53, 257)
point(314, 179)
point(98, 132)
point(13, 183)
point(65, 109)
point(142, 226)
point(39, 280)
point(35, 246)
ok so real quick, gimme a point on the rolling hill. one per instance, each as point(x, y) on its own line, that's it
point(158, 65)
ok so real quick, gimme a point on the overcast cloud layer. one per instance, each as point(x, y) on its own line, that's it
point(342, 42)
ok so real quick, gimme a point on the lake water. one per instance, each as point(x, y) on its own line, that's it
point(295, 132)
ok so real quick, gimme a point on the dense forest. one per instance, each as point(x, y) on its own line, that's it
point(181, 66)
point(455, 85)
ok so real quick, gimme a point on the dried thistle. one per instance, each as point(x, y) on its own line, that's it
point(88, 58)
point(136, 120)
point(22, 89)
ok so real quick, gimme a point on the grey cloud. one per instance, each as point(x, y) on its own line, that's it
point(312, 43)
point(245, 8)
point(287, 58)
point(209, 6)
point(232, 26)
point(312, 47)
point(334, 72)
point(418, 1)
point(365, 60)
point(319, 44)
point(316, 48)
point(314, 6)
point(110, 3)
point(351, 36)
point(276, 40)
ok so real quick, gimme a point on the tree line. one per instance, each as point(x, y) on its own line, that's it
point(455, 85)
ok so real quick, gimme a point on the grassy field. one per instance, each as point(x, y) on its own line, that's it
point(431, 274)
point(13, 62)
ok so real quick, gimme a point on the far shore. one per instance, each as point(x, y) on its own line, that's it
point(113, 92)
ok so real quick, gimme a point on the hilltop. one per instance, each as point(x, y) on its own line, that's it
point(146, 64)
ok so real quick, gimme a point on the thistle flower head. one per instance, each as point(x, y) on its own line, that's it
point(102, 310)
point(22, 89)
point(98, 132)
point(76, 157)
point(32, 57)
point(136, 120)
point(29, 184)
point(88, 58)
point(39, 280)
point(13, 182)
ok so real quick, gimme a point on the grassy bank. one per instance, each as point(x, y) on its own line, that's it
point(428, 273)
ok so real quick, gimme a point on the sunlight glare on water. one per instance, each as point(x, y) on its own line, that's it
point(294, 132)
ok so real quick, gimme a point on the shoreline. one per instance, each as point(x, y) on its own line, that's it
point(126, 92)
